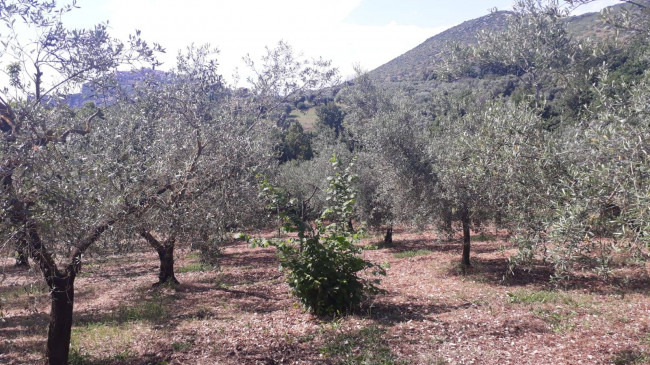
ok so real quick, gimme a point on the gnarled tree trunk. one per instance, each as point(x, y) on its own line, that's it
point(166, 274)
point(388, 238)
point(165, 251)
point(61, 283)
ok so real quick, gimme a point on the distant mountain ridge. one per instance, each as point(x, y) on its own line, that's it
point(416, 64)
point(419, 63)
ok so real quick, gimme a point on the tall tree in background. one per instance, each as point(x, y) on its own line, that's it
point(296, 144)
point(634, 17)
point(282, 76)
point(330, 116)
point(396, 182)
point(586, 173)
point(210, 168)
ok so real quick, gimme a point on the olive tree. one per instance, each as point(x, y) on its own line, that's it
point(537, 48)
point(633, 17)
point(57, 198)
point(330, 116)
point(598, 203)
point(282, 76)
point(186, 137)
point(296, 144)
point(396, 182)
point(489, 160)
point(220, 142)
point(580, 192)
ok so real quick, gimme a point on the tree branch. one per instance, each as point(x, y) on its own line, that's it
point(40, 98)
point(96, 232)
point(192, 168)
point(151, 240)
point(7, 115)
point(64, 136)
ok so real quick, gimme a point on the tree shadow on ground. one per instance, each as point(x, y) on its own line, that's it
point(230, 293)
point(238, 294)
point(277, 352)
point(123, 271)
point(16, 353)
point(630, 356)
point(10, 268)
point(496, 271)
point(151, 307)
point(134, 273)
point(508, 328)
point(255, 302)
point(259, 257)
point(455, 246)
point(248, 276)
point(392, 313)
point(613, 284)
point(18, 326)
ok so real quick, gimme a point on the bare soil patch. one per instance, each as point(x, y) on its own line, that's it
point(434, 312)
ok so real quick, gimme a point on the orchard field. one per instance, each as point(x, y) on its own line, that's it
point(434, 312)
point(133, 195)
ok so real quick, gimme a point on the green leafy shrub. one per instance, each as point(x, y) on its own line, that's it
point(323, 264)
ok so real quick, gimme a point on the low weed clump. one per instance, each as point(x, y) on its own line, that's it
point(99, 343)
point(541, 296)
point(365, 346)
point(630, 357)
point(559, 320)
point(150, 310)
point(195, 267)
point(483, 237)
point(182, 346)
point(405, 254)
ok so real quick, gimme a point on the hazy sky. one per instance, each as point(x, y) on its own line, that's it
point(365, 32)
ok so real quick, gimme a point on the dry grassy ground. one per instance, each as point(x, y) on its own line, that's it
point(433, 313)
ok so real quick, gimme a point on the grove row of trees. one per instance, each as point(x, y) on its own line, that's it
point(558, 156)
point(550, 143)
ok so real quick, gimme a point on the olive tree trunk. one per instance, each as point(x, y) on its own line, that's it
point(61, 284)
point(388, 238)
point(60, 328)
point(166, 274)
point(350, 226)
point(165, 252)
point(467, 239)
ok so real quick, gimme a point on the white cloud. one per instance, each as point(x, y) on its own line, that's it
point(315, 27)
point(237, 28)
